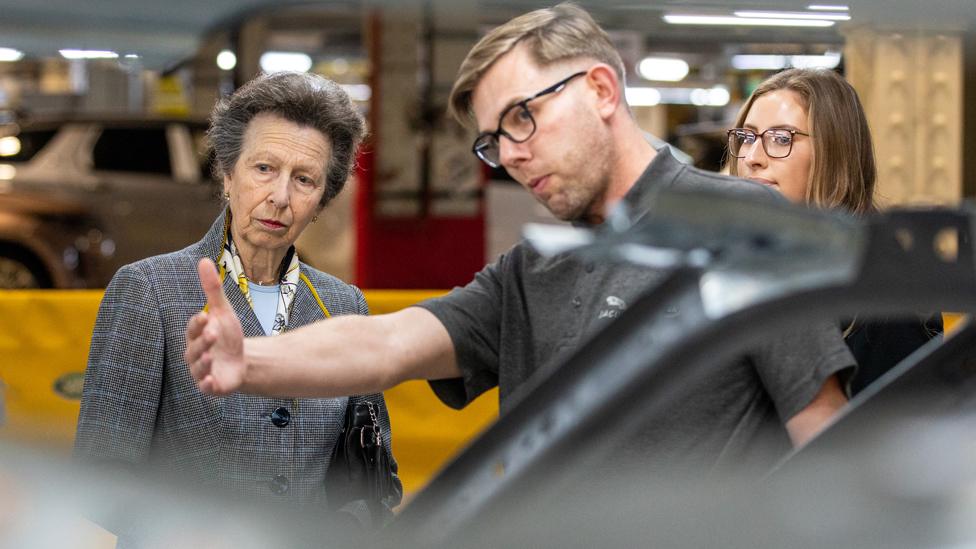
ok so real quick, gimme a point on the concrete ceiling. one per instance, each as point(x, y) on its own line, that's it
point(161, 32)
point(165, 32)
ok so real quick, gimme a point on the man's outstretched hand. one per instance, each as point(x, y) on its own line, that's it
point(214, 339)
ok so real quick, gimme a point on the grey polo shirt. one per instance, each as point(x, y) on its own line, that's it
point(526, 313)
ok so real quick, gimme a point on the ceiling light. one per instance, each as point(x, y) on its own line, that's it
point(9, 145)
point(131, 62)
point(829, 60)
point(358, 92)
point(793, 15)
point(277, 61)
point(666, 69)
point(679, 19)
point(749, 62)
point(717, 96)
point(642, 97)
point(88, 54)
point(824, 7)
point(10, 54)
point(713, 97)
point(226, 60)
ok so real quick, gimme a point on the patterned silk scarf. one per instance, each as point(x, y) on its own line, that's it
point(230, 262)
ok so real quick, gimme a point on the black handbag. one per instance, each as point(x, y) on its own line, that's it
point(361, 468)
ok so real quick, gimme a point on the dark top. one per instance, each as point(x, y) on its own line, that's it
point(880, 344)
point(526, 313)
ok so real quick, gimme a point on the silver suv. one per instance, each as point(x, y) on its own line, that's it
point(81, 197)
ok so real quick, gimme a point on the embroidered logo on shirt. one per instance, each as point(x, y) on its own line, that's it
point(615, 306)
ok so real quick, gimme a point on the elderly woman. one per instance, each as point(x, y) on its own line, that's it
point(804, 132)
point(284, 146)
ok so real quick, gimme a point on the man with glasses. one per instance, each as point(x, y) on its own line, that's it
point(546, 91)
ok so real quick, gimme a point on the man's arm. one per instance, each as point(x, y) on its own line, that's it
point(345, 355)
point(808, 422)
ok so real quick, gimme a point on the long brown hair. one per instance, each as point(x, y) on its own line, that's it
point(843, 172)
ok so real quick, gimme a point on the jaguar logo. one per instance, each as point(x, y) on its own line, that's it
point(615, 306)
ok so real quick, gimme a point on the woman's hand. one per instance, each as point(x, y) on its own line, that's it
point(214, 339)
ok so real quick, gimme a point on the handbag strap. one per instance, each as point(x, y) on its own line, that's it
point(376, 423)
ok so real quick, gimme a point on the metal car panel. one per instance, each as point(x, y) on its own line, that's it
point(558, 431)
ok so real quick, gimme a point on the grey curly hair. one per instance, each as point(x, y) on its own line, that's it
point(306, 99)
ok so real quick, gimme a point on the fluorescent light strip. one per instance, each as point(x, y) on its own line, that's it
point(824, 7)
point(826, 61)
point(705, 97)
point(642, 97)
point(88, 54)
point(680, 19)
point(713, 97)
point(10, 54)
point(358, 92)
point(763, 62)
point(794, 15)
point(776, 62)
point(275, 61)
point(9, 145)
point(665, 69)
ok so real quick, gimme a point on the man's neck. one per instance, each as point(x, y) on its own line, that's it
point(632, 155)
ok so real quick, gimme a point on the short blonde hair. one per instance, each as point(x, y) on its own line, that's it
point(843, 172)
point(554, 34)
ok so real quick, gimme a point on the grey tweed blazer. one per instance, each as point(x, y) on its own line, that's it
point(141, 408)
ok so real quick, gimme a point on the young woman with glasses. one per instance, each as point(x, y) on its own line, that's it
point(804, 132)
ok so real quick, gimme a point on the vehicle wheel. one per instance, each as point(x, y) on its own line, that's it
point(21, 271)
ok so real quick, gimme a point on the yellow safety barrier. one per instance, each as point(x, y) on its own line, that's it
point(426, 433)
point(952, 322)
point(44, 340)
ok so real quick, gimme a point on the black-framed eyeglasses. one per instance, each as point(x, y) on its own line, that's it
point(777, 142)
point(516, 123)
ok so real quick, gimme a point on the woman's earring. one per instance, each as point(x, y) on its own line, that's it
point(227, 195)
point(315, 218)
